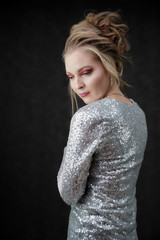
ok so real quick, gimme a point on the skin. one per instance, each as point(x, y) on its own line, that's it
point(88, 78)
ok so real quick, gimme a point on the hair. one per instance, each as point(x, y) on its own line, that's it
point(103, 34)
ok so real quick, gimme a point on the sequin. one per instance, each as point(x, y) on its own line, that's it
point(99, 170)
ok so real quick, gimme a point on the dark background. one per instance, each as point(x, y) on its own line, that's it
point(35, 112)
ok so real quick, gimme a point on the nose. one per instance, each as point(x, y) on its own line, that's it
point(79, 83)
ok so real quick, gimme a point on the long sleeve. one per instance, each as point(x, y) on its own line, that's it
point(81, 145)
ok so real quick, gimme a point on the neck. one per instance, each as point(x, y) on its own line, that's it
point(114, 90)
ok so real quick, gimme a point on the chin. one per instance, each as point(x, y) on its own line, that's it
point(88, 101)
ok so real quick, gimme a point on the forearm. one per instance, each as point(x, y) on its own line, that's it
point(72, 178)
point(60, 174)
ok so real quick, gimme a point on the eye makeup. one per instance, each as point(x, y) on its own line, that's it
point(70, 76)
point(86, 71)
point(82, 73)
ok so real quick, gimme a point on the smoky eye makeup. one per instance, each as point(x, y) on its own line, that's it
point(70, 76)
point(82, 73)
point(86, 71)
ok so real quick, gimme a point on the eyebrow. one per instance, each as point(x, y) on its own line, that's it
point(79, 70)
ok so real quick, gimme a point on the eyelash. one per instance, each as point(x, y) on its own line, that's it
point(70, 77)
point(85, 72)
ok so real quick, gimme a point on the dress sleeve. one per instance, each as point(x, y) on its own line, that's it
point(82, 142)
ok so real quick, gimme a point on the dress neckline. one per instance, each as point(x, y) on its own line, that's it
point(132, 102)
point(117, 101)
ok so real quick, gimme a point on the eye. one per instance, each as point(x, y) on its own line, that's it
point(70, 76)
point(87, 72)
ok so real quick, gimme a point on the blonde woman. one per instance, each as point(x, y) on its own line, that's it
point(107, 136)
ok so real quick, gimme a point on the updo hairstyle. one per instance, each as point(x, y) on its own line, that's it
point(104, 35)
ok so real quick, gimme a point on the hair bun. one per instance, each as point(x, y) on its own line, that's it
point(111, 26)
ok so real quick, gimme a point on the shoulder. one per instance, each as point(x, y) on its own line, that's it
point(88, 113)
point(98, 109)
point(93, 115)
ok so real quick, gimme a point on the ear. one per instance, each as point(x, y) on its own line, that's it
point(111, 81)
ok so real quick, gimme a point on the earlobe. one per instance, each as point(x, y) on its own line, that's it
point(111, 81)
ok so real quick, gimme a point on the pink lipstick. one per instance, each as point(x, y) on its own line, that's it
point(84, 94)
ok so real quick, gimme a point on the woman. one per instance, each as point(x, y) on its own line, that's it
point(107, 136)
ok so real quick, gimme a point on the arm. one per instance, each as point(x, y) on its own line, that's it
point(74, 170)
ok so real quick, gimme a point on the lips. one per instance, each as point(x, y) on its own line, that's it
point(84, 94)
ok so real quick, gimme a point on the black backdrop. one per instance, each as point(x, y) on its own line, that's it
point(35, 112)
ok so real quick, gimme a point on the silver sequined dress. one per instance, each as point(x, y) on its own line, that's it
point(99, 170)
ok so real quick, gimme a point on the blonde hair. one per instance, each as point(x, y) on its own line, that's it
point(104, 35)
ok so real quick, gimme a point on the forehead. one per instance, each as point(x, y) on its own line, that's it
point(79, 59)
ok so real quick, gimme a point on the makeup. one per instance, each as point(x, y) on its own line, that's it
point(86, 71)
point(70, 76)
point(84, 94)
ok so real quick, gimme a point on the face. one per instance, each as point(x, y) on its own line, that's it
point(88, 78)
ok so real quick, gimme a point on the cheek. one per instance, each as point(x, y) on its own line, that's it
point(100, 83)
